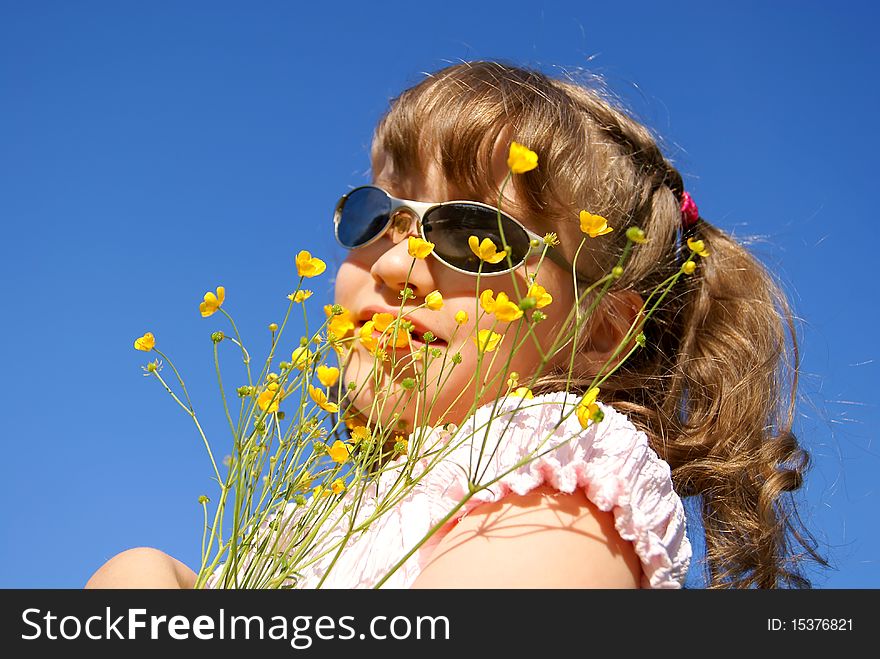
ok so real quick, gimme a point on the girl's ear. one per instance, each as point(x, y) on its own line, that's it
point(607, 328)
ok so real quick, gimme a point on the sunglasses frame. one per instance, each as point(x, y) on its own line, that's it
point(421, 208)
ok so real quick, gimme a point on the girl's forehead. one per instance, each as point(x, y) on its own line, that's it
point(430, 183)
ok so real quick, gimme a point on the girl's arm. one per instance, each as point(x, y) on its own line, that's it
point(544, 539)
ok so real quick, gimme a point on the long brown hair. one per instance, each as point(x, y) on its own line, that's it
point(715, 388)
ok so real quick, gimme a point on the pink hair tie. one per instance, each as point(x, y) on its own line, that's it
point(689, 212)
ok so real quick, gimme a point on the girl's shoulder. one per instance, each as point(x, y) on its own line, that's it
point(515, 445)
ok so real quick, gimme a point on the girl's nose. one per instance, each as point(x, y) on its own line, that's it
point(392, 265)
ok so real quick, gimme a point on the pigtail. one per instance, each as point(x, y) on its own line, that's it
point(728, 419)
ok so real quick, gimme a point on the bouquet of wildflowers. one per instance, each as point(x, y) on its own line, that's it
point(300, 480)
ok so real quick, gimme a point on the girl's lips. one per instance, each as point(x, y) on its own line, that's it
point(415, 338)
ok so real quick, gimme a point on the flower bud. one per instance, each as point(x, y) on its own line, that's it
point(280, 415)
point(408, 383)
point(456, 358)
point(436, 352)
point(299, 500)
point(284, 366)
point(203, 499)
point(407, 293)
point(428, 337)
point(217, 337)
point(273, 327)
point(636, 235)
point(303, 341)
point(337, 310)
point(616, 272)
point(352, 386)
point(527, 303)
point(641, 340)
point(538, 316)
point(689, 267)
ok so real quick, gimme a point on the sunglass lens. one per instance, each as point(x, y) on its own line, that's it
point(362, 216)
point(450, 226)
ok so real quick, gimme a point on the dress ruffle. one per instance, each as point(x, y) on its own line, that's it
point(611, 462)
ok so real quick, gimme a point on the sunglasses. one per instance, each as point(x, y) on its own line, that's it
point(363, 216)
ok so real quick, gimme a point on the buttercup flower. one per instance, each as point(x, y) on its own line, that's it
point(542, 297)
point(505, 310)
point(418, 248)
point(698, 246)
point(523, 392)
point(487, 340)
point(338, 486)
point(339, 452)
point(365, 334)
point(587, 408)
point(300, 357)
point(300, 296)
point(689, 267)
point(264, 400)
point(512, 379)
point(339, 325)
point(384, 322)
point(309, 266)
point(212, 302)
point(461, 317)
point(327, 375)
point(487, 301)
point(594, 225)
point(360, 433)
point(319, 491)
point(485, 250)
point(145, 343)
point(521, 159)
point(320, 398)
point(434, 301)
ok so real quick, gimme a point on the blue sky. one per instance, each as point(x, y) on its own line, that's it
point(151, 151)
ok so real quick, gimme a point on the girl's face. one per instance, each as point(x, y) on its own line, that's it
point(370, 281)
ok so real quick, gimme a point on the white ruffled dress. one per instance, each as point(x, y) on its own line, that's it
point(610, 461)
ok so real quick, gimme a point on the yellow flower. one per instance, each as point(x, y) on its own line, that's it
point(300, 296)
point(264, 400)
point(521, 159)
point(486, 250)
point(384, 322)
point(401, 445)
point(689, 267)
point(365, 334)
point(339, 452)
point(594, 225)
point(300, 357)
point(523, 392)
point(418, 248)
point(434, 301)
point(212, 302)
point(145, 343)
point(340, 325)
point(360, 433)
point(505, 310)
point(320, 398)
point(309, 266)
point(587, 407)
point(338, 486)
point(461, 317)
point(328, 375)
point(320, 492)
point(487, 340)
point(698, 246)
point(487, 301)
point(542, 297)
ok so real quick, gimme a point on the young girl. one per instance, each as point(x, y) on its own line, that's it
point(704, 409)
